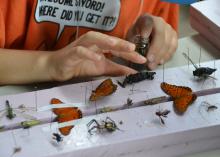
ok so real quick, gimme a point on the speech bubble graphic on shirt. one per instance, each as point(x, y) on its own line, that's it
point(97, 14)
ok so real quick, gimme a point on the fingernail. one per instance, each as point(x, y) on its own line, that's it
point(151, 58)
point(142, 59)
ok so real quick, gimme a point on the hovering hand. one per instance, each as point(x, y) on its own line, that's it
point(85, 57)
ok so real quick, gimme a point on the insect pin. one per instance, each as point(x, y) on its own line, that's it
point(57, 137)
point(134, 78)
point(200, 72)
point(10, 114)
point(162, 114)
point(106, 125)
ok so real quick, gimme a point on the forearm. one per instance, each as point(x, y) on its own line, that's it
point(21, 67)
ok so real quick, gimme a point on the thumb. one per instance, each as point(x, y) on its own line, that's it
point(142, 27)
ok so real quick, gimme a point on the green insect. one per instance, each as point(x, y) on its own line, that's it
point(106, 109)
point(28, 124)
point(10, 113)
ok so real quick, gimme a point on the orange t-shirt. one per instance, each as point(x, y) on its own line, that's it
point(51, 24)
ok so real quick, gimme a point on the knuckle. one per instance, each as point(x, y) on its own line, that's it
point(89, 34)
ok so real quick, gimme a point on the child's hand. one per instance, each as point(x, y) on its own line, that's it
point(85, 57)
point(163, 38)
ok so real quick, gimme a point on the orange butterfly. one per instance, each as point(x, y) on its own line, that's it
point(104, 89)
point(65, 114)
point(182, 96)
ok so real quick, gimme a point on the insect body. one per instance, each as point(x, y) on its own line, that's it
point(57, 137)
point(134, 78)
point(201, 72)
point(129, 103)
point(106, 109)
point(209, 107)
point(28, 124)
point(106, 125)
point(10, 113)
point(162, 114)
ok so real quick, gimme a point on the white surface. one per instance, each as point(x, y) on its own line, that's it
point(210, 9)
point(141, 130)
point(205, 18)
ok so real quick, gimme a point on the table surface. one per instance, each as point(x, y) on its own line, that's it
point(193, 43)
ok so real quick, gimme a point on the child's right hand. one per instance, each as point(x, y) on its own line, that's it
point(85, 57)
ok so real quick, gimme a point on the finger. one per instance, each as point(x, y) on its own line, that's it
point(131, 56)
point(115, 69)
point(86, 53)
point(142, 27)
point(104, 41)
point(158, 39)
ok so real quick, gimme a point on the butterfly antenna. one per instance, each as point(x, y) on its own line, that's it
point(187, 57)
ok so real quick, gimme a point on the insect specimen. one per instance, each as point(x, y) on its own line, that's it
point(106, 109)
point(209, 106)
point(57, 137)
point(30, 123)
point(11, 112)
point(107, 87)
point(181, 96)
point(106, 125)
point(201, 72)
point(16, 150)
point(154, 101)
point(65, 114)
point(120, 122)
point(129, 103)
point(134, 78)
point(162, 114)
point(212, 108)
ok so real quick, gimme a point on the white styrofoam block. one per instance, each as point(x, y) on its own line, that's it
point(141, 133)
point(80, 93)
point(205, 18)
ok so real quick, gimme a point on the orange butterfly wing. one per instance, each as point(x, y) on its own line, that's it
point(175, 91)
point(182, 96)
point(65, 114)
point(181, 104)
point(104, 89)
